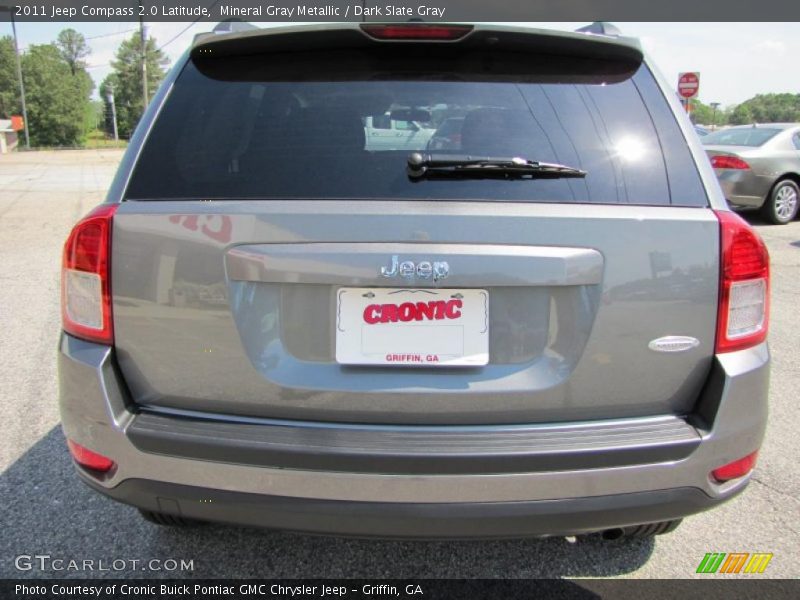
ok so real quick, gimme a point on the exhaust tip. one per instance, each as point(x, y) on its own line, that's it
point(613, 534)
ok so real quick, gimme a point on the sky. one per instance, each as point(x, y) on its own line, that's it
point(736, 61)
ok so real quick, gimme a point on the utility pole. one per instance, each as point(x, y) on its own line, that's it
point(21, 83)
point(714, 107)
point(143, 37)
point(113, 110)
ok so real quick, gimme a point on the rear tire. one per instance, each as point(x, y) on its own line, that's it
point(782, 202)
point(166, 520)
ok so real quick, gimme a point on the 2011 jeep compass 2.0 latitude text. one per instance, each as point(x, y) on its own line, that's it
point(555, 326)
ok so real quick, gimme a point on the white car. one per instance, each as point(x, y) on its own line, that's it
point(386, 133)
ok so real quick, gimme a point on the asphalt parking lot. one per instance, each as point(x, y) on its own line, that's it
point(46, 510)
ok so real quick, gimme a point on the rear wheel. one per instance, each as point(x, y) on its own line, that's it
point(166, 520)
point(782, 202)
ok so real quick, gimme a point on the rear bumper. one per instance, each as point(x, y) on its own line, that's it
point(454, 520)
point(743, 188)
point(531, 489)
point(409, 450)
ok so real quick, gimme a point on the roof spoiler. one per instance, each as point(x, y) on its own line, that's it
point(601, 28)
point(232, 25)
point(330, 36)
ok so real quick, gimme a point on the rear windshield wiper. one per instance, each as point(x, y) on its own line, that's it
point(431, 166)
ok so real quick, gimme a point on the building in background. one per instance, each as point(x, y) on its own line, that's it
point(8, 133)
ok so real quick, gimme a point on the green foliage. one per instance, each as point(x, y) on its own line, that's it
point(704, 114)
point(764, 108)
point(9, 85)
point(58, 91)
point(126, 81)
point(55, 98)
point(57, 88)
point(73, 49)
point(768, 108)
point(742, 115)
point(92, 117)
point(98, 139)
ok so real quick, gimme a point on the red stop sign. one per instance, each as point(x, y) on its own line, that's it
point(688, 84)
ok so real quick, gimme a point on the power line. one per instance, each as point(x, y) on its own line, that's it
point(172, 39)
point(104, 35)
point(185, 29)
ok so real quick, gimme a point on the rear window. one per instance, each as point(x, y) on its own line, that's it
point(235, 131)
point(450, 127)
point(749, 136)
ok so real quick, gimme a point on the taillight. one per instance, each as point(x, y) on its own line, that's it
point(736, 469)
point(89, 459)
point(416, 31)
point(743, 317)
point(726, 161)
point(85, 271)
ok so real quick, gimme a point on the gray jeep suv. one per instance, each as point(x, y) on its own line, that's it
point(553, 327)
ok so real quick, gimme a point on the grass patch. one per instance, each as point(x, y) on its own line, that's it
point(98, 139)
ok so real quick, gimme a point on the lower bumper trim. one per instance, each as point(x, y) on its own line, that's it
point(409, 520)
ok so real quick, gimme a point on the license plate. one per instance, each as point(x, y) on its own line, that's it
point(412, 327)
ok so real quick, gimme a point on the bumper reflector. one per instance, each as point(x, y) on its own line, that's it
point(88, 459)
point(737, 468)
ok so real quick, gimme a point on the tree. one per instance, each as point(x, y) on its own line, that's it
point(768, 108)
point(73, 49)
point(741, 115)
point(9, 84)
point(704, 114)
point(126, 80)
point(56, 99)
point(93, 117)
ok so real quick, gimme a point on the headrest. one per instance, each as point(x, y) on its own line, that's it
point(499, 132)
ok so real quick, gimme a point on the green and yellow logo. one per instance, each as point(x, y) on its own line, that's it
point(734, 562)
